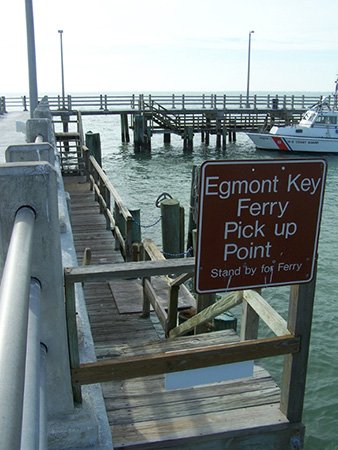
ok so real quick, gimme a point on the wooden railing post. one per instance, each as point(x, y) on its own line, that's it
point(249, 324)
point(72, 334)
point(295, 365)
point(129, 239)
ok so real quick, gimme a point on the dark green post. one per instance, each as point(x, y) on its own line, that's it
point(142, 134)
point(171, 234)
point(93, 143)
point(124, 128)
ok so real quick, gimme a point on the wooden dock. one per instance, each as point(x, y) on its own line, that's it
point(238, 414)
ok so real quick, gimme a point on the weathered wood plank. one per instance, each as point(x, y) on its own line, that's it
point(226, 303)
point(128, 295)
point(273, 320)
point(129, 270)
point(295, 368)
point(183, 360)
point(219, 430)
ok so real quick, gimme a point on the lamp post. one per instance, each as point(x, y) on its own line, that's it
point(248, 82)
point(33, 84)
point(62, 74)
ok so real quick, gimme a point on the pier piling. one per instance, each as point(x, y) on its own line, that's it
point(124, 128)
point(171, 233)
point(93, 143)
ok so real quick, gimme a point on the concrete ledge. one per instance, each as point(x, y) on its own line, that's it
point(31, 152)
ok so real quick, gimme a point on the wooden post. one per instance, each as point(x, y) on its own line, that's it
point(166, 138)
point(295, 365)
point(136, 228)
point(182, 228)
point(193, 205)
point(128, 239)
point(119, 224)
point(207, 134)
point(107, 199)
point(124, 128)
point(172, 308)
point(224, 142)
point(170, 212)
point(203, 301)
point(188, 139)
point(145, 298)
point(72, 335)
point(93, 143)
point(234, 132)
point(142, 134)
point(250, 322)
point(218, 133)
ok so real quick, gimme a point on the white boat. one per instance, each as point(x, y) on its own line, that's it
point(316, 132)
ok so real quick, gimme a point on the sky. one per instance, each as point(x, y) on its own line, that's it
point(172, 46)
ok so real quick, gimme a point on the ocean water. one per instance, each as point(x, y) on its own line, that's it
point(141, 178)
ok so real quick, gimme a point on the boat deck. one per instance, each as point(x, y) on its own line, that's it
point(238, 414)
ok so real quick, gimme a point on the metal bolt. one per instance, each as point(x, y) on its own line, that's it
point(296, 443)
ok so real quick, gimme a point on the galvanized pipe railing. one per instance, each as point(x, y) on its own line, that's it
point(31, 406)
point(14, 301)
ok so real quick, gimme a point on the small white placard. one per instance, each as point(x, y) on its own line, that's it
point(206, 375)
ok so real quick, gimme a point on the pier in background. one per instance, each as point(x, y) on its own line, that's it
point(218, 115)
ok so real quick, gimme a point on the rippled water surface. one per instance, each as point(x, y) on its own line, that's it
point(140, 179)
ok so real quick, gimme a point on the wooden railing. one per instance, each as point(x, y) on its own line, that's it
point(291, 338)
point(120, 221)
point(137, 102)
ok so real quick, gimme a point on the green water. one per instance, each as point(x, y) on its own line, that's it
point(140, 179)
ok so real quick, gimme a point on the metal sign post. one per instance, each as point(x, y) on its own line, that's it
point(258, 223)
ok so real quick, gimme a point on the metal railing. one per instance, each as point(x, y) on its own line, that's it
point(137, 102)
point(19, 363)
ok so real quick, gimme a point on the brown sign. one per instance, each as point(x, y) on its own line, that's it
point(258, 223)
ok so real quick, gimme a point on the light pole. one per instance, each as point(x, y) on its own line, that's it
point(33, 84)
point(62, 74)
point(247, 87)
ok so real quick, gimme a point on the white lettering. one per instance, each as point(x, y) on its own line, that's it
point(305, 185)
point(261, 209)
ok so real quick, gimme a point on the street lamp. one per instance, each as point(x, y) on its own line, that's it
point(247, 88)
point(62, 74)
point(33, 84)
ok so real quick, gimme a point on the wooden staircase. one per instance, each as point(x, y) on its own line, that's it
point(70, 141)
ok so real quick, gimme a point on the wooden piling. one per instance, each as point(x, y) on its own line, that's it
point(170, 212)
point(124, 128)
point(218, 133)
point(224, 141)
point(166, 138)
point(142, 134)
point(93, 143)
point(188, 139)
point(207, 133)
point(136, 228)
point(193, 205)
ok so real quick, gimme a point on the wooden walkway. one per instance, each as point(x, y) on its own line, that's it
point(239, 414)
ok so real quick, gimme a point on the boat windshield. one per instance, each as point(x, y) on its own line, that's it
point(308, 118)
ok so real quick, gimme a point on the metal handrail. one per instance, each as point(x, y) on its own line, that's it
point(14, 301)
point(30, 435)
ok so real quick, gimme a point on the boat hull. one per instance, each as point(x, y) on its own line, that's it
point(294, 143)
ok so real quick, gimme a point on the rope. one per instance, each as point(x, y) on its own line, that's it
point(176, 255)
point(148, 226)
